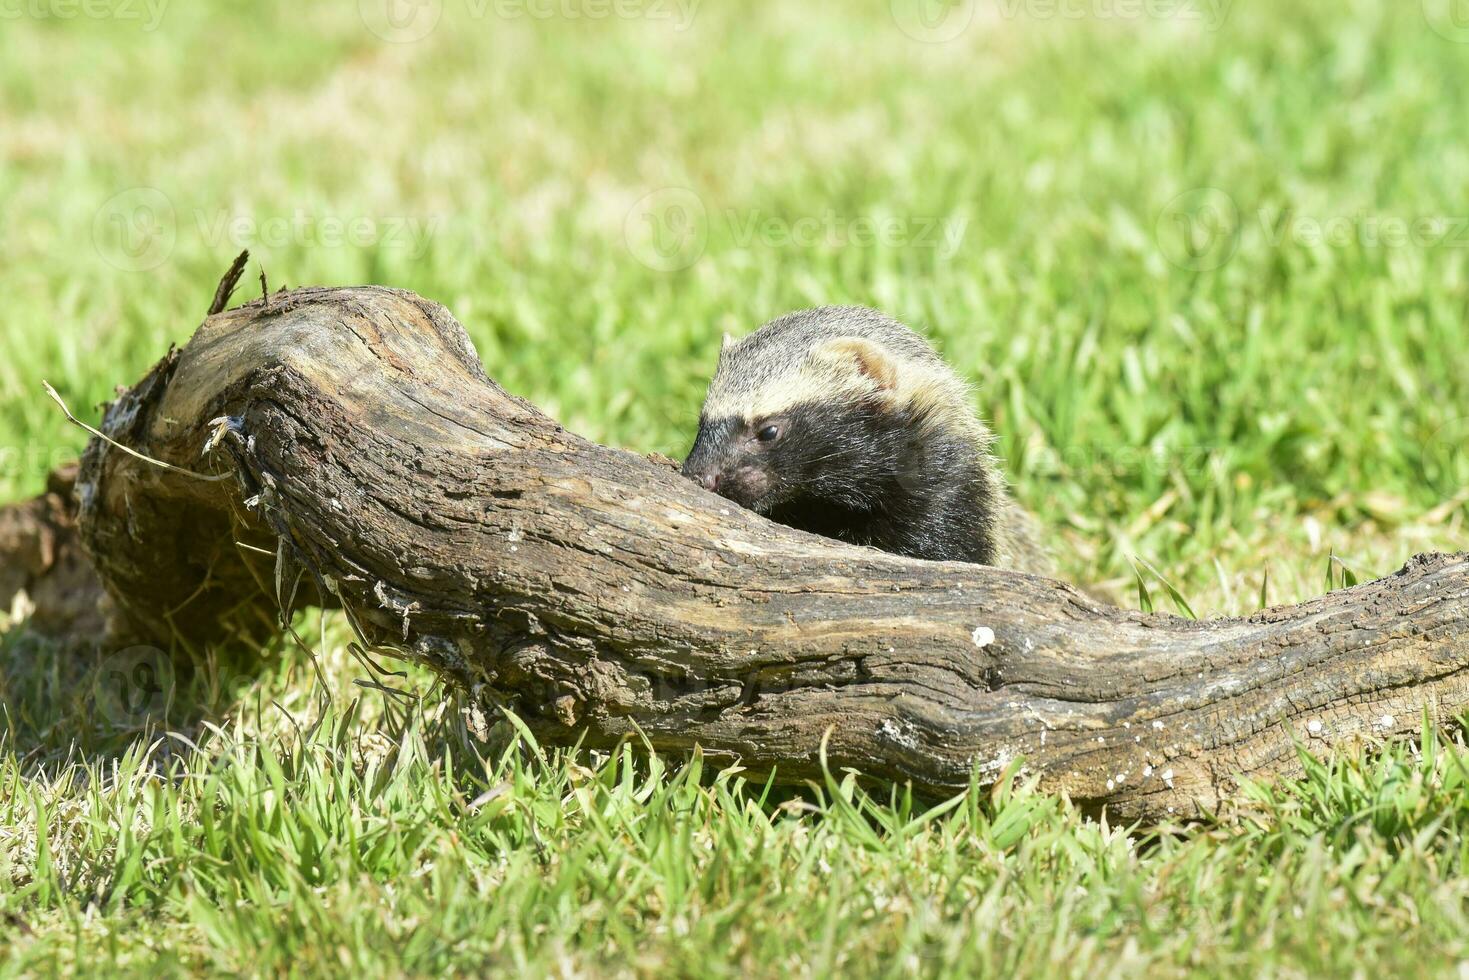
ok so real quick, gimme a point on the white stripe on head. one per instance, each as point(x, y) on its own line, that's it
point(838, 355)
point(754, 385)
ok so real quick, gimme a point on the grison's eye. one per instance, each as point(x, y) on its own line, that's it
point(768, 434)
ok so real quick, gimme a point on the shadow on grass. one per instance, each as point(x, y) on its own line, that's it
point(63, 702)
point(64, 705)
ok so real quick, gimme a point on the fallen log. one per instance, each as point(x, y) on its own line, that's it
point(349, 448)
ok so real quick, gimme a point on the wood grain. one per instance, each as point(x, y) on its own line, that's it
point(599, 594)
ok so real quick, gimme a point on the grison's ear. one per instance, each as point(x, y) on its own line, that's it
point(724, 346)
point(861, 356)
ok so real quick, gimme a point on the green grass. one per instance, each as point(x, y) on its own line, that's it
point(1174, 270)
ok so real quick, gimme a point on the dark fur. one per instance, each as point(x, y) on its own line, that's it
point(867, 474)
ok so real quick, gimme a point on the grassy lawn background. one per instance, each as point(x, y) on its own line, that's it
point(1208, 269)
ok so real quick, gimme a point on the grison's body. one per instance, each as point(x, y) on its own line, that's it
point(843, 422)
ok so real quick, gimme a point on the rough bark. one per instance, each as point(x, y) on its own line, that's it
point(598, 594)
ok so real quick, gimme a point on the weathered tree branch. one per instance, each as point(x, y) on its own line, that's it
point(597, 592)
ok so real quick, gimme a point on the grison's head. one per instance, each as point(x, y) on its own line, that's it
point(818, 406)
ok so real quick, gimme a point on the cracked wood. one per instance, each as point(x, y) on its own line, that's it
point(598, 594)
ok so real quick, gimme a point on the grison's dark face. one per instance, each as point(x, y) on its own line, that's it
point(809, 452)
